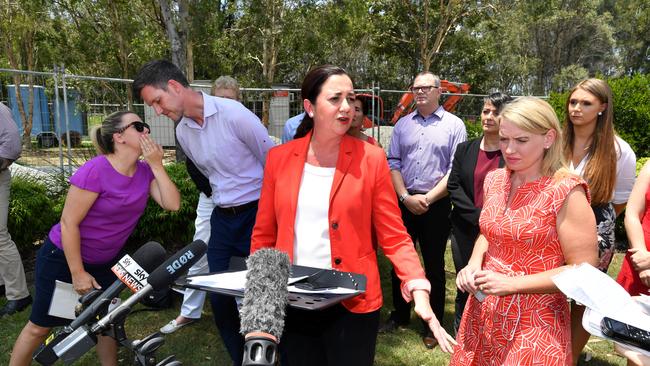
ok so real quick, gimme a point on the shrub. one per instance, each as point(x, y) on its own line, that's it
point(32, 211)
point(474, 129)
point(171, 229)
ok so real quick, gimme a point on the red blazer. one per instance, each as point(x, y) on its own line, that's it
point(362, 198)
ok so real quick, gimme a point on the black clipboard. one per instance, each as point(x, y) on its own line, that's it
point(296, 300)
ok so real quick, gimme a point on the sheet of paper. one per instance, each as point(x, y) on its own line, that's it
point(594, 289)
point(64, 300)
point(333, 291)
point(230, 280)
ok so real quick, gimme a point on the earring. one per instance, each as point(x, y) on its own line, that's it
point(600, 113)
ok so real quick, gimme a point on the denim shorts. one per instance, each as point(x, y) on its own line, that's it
point(51, 266)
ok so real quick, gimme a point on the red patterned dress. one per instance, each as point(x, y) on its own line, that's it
point(519, 329)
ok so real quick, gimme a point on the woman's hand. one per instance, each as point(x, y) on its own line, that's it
point(640, 258)
point(83, 282)
point(465, 279)
point(494, 283)
point(151, 151)
point(423, 309)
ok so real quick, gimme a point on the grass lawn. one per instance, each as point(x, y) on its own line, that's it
point(199, 344)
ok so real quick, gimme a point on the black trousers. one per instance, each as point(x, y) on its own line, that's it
point(431, 231)
point(330, 337)
point(462, 244)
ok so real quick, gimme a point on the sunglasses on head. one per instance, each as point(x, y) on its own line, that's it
point(139, 126)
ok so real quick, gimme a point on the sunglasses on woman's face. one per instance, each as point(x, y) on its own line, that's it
point(139, 126)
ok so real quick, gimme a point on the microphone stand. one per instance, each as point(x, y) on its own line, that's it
point(144, 349)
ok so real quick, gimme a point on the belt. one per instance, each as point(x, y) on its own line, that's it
point(416, 192)
point(236, 210)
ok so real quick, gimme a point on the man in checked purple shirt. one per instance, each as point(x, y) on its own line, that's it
point(228, 144)
point(421, 150)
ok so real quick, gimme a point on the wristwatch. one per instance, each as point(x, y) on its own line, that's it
point(403, 196)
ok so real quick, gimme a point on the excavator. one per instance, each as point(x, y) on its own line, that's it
point(406, 104)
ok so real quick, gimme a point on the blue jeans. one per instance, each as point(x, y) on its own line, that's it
point(230, 236)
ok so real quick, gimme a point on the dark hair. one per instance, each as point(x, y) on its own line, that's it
point(600, 170)
point(102, 136)
point(498, 100)
point(364, 104)
point(157, 73)
point(311, 88)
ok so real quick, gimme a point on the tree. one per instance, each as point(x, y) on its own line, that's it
point(26, 22)
point(176, 24)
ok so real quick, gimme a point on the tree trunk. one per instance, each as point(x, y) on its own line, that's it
point(178, 45)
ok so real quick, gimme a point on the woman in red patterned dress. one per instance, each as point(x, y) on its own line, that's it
point(536, 219)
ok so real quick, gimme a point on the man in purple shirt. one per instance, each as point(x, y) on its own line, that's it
point(12, 274)
point(421, 150)
point(228, 144)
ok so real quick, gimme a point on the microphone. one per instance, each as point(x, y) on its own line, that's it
point(131, 270)
point(84, 338)
point(160, 278)
point(263, 311)
point(149, 256)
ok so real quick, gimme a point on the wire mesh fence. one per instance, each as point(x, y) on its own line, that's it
point(55, 112)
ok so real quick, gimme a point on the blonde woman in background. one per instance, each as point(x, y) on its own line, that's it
point(535, 221)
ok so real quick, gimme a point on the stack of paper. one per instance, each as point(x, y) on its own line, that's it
point(603, 297)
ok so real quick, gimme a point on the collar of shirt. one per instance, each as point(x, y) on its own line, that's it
point(436, 116)
point(209, 110)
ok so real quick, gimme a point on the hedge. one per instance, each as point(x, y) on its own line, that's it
point(32, 211)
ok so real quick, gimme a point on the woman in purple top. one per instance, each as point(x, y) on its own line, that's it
point(107, 196)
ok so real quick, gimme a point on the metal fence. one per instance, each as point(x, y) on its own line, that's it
point(65, 107)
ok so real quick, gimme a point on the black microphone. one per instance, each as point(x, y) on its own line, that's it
point(84, 338)
point(160, 278)
point(263, 311)
point(147, 258)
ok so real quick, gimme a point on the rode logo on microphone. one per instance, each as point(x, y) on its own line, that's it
point(180, 262)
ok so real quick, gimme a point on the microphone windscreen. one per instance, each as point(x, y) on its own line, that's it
point(150, 255)
point(265, 294)
point(177, 264)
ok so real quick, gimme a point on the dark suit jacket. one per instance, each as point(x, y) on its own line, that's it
point(461, 183)
point(362, 198)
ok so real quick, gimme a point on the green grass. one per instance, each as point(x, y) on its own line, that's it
point(199, 344)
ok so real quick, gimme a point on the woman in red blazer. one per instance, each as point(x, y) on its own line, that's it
point(323, 195)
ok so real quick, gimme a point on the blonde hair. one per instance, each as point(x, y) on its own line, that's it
point(226, 82)
point(600, 170)
point(535, 115)
point(102, 136)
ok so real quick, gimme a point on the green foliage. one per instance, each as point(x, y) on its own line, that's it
point(474, 129)
point(640, 162)
point(167, 227)
point(32, 211)
point(631, 110)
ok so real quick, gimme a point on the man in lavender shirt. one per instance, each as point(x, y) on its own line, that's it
point(421, 151)
point(12, 274)
point(228, 144)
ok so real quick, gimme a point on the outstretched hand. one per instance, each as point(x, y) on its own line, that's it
point(423, 309)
